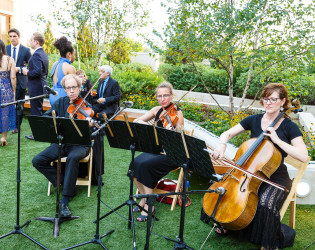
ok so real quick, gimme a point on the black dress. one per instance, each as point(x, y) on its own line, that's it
point(150, 168)
point(265, 228)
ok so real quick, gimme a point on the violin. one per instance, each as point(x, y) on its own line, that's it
point(169, 116)
point(83, 111)
point(256, 160)
point(80, 110)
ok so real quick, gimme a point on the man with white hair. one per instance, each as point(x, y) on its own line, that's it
point(74, 153)
point(108, 93)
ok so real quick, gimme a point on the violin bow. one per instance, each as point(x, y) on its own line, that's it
point(79, 106)
point(235, 166)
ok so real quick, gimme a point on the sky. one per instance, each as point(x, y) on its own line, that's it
point(24, 10)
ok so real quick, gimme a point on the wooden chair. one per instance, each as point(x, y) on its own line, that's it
point(291, 199)
point(86, 181)
point(179, 180)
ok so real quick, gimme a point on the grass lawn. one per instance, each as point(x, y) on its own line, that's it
point(36, 203)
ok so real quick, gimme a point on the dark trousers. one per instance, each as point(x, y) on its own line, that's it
point(19, 95)
point(74, 154)
point(100, 111)
point(37, 106)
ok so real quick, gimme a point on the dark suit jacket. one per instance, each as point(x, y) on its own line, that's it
point(38, 71)
point(112, 95)
point(23, 57)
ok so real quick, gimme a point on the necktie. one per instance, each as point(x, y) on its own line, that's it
point(14, 54)
point(103, 89)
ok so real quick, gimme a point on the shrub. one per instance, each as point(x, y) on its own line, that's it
point(184, 77)
point(142, 100)
point(299, 86)
point(254, 87)
point(135, 82)
point(135, 66)
point(220, 121)
point(193, 111)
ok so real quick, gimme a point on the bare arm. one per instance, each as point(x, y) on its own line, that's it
point(224, 138)
point(297, 150)
point(147, 116)
point(69, 69)
point(12, 74)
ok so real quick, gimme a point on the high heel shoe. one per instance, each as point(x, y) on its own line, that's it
point(4, 142)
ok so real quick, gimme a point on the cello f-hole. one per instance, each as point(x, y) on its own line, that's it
point(241, 187)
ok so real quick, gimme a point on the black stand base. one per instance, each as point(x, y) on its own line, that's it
point(57, 221)
point(18, 230)
point(181, 245)
point(130, 202)
point(96, 240)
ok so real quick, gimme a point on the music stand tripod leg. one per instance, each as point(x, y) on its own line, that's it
point(57, 220)
point(97, 238)
point(180, 244)
point(18, 228)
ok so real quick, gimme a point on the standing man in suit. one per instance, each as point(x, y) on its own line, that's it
point(21, 56)
point(108, 93)
point(37, 74)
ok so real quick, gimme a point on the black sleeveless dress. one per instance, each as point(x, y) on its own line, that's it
point(265, 227)
point(150, 168)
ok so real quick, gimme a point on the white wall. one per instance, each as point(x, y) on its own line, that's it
point(147, 58)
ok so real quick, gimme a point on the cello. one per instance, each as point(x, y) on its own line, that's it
point(255, 160)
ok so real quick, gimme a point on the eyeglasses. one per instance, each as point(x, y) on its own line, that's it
point(272, 100)
point(163, 96)
point(73, 88)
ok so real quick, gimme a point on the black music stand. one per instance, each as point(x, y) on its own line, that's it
point(189, 153)
point(44, 130)
point(19, 106)
point(134, 137)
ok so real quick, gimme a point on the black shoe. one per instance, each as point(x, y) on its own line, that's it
point(64, 211)
point(30, 137)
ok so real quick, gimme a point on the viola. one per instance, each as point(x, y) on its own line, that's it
point(81, 111)
point(256, 160)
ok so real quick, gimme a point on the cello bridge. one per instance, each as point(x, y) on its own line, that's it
point(230, 174)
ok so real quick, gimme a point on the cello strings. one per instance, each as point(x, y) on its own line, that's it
point(207, 237)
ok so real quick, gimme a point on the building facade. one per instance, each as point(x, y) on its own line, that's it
point(6, 18)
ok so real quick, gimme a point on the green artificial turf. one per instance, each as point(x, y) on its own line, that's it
point(36, 203)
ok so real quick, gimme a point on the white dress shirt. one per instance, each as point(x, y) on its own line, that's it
point(16, 52)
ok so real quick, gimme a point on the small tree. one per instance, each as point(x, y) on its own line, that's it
point(96, 24)
point(265, 36)
point(49, 40)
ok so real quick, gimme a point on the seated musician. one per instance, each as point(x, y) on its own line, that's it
point(108, 93)
point(150, 168)
point(74, 153)
point(265, 228)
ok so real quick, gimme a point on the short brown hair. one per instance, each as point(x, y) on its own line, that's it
point(15, 31)
point(39, 37)
point(75, 77)
point(280, 89)
point(80, 72)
